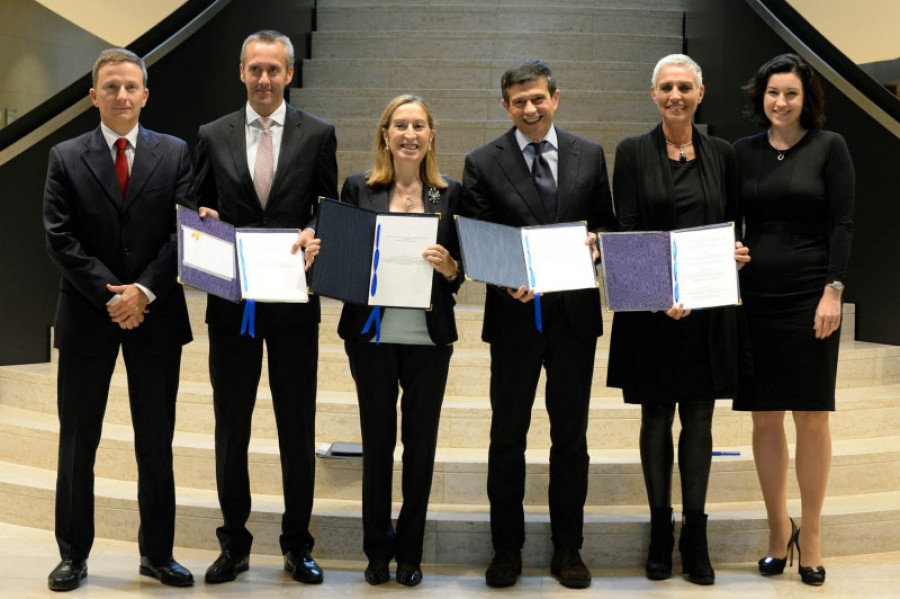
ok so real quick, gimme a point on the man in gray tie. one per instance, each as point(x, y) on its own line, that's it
point(537, 174)
point(264, 166)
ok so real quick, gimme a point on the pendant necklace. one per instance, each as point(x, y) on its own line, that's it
point(681, 155)
point(409, 203)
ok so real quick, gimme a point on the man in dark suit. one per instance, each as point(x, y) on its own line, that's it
point(265, 166)
point(514, 181)
point(110, 221)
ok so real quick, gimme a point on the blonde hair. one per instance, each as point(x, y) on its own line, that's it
point(383, 171)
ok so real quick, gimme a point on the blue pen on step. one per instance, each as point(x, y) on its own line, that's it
point(718, 453)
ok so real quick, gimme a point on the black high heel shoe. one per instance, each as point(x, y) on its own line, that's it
point(377, 572)
point(813, 576)
point(409, 575)
point(771, 566)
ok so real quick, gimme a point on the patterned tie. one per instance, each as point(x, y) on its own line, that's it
point(122, 163)
point(543, 180)
point(264, 170)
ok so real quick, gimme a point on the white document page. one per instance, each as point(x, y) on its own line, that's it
point(557, 258)
point(207, 253)
point(704, 273)
point(268, 270)
point(400, 275)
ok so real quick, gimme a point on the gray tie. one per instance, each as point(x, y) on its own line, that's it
point(543, 180)
point(264, 170)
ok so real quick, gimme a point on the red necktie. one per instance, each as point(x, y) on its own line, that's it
point(122, 163)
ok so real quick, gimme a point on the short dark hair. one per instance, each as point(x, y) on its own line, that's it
point(115, 55)
point(270, 36)
point(523, 71)
point(813, 114)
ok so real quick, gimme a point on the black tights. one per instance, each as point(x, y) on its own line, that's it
point(694, 452)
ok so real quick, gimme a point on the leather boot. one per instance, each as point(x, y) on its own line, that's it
point(694, 549)
point(662, 542)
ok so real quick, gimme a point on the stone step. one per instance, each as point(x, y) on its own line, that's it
point(614, 536)
point(448, 105)
point(551, 47)
point(864, 412)
point(468, 322)
point(519, 5)
point(30, 438)
point(498, 18)
point(439, 73)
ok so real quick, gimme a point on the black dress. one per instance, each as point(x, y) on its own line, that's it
point(798, 222)
point(653, 358)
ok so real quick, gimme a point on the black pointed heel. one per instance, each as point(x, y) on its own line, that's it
point(771, 566)
point(812, 576)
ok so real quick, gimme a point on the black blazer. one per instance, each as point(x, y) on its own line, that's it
point(439, 319)
point(95, 236)
point(497, 187)
point(307, 169)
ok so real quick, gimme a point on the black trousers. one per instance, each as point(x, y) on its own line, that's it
point(235, 365)
point(515, 370)
point(421, 372)
point(82, 392)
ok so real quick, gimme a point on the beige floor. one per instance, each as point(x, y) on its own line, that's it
point(30, 553)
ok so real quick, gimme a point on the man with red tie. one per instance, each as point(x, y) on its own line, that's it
point(109, 218)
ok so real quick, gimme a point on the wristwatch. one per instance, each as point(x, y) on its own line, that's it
point(836, 285)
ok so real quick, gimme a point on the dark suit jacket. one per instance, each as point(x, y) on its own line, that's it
point(95, 237)
point(497, 187)
point(440, 321)
point(307, 169)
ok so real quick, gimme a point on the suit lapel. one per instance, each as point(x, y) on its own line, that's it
point(290, 145)
point(237, 141)
point(379, 198)
point(146, 159)
point(98, 159)
point(512, 165)
point(567, 173)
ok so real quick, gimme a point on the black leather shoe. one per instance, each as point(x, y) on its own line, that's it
point(504, 569)
point(167, 572)
point(67, 575)
point(409, 575)
point(226, 567)
point(568, 568)
point(305, 569)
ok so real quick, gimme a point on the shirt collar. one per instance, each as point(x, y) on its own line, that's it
point(111, 136)
point(550, 139)
point(277, 116)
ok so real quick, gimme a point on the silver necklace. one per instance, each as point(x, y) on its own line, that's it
point(681, 155)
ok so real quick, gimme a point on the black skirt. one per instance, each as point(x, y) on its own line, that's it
point(792, 370)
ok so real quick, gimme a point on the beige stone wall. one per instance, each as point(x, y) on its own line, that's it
point(864, 30)
point(40, 54)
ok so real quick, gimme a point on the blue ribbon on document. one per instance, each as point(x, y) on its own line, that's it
point(248, 320)
point(375, 315)
point(675, 292)
point(537, 296)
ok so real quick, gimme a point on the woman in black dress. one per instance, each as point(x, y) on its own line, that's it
point(670, 178)
point(797, 187)
point(413, 353)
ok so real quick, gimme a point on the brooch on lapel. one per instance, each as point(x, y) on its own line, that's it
point(434, 195)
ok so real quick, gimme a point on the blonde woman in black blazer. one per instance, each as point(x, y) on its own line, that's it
point(414, 350)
